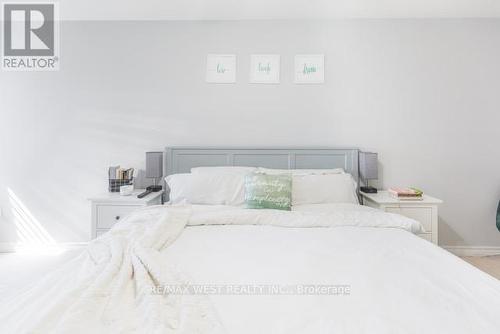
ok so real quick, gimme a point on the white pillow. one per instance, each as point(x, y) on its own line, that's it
point(301, 171)
point(224, 169)
point(218, 185)
point(328, 188)
point(179, 187)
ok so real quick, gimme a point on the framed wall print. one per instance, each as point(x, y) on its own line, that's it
point(221, 68)
point(309, 69)
point(265, 69)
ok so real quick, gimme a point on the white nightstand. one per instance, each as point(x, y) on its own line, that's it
point(425, 211)
point(109, 208)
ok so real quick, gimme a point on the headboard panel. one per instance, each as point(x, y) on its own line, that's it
point(182, 159)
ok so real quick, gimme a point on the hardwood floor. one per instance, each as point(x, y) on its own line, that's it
point(488, 264)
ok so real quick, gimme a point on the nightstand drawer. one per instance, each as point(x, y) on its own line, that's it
point(108, 215)
point(421, 214)
point(424, 211)
point(98, 233)
point(110, 208)
point(426, 236)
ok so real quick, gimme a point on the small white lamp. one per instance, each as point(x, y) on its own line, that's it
point(154, 170)
point(368, 170)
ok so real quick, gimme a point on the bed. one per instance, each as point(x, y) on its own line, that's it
point(219, 268)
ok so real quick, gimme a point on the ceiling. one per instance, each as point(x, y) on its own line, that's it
point(273, 9)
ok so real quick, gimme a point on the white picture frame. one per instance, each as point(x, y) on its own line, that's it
point(265, 69)
point(310, 69)
point(221, 68)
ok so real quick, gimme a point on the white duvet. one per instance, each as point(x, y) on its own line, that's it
point(396, 282)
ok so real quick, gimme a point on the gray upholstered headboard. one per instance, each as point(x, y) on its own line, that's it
point(182, 159)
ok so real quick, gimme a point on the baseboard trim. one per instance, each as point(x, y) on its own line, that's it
point(7, 247)
point(473, 250)
point(12, 247)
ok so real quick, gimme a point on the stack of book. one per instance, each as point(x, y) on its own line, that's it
point(410, 194)
point(119, 177)
point(118, 173)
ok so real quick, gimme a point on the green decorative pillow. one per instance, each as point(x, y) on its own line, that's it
point(498, 216)
point(263, 191)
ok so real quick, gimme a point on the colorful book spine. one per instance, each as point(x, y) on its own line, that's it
point(406, 193)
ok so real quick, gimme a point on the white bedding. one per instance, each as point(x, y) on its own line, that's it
point(398, 283)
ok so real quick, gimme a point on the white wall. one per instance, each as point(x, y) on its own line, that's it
point(422, 93)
